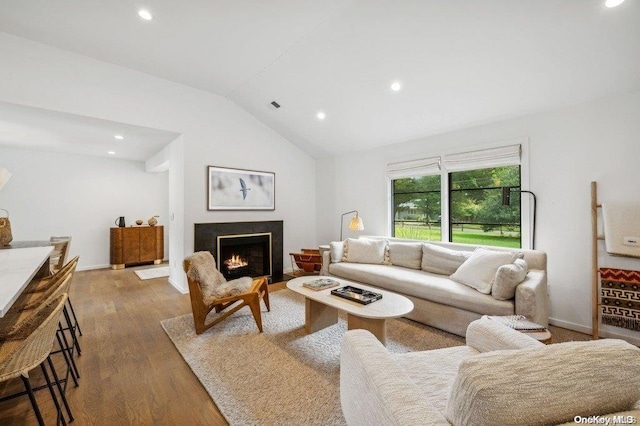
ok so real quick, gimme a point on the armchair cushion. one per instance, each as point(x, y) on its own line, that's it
point(549, 384)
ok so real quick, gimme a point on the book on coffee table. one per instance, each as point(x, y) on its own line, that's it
point(321, 284)
point(517, 322)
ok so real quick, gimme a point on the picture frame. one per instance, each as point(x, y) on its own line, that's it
point(240, 189)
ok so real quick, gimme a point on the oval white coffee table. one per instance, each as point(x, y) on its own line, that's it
point(321, 307)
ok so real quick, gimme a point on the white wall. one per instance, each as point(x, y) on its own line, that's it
point(568, 149)
point(214, 132)
point(54, 194)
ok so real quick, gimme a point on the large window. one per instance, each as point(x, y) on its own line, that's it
point(477, 212)
point(469, 197)
point(416, 208)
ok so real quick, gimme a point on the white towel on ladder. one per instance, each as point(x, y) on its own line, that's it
point(621, 227)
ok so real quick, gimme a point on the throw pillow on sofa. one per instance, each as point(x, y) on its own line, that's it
point(441, 260)
point(336, 249)
point(507, 279)
point(363, 250)
point(408, 255)
point(480, 269)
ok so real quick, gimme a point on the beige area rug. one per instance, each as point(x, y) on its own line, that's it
point(285, 376)
point(282, 376)
point(153, 272)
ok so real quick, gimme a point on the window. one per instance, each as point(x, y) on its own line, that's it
point(477, 214)
point(459, 197)
point(416, 208)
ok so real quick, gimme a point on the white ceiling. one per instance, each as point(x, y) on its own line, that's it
point(25, 127)
point(461, 62)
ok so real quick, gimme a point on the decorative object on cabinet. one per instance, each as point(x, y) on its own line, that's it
point(135, 245)
point(139, 222)
point(120, 222)
point(153, 221)
point(237, 189)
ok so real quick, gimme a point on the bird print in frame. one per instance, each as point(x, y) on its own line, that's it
point(240, 189)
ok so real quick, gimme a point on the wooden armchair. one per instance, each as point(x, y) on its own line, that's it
point(203, 301)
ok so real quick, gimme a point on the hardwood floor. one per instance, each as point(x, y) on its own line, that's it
point(130, 371)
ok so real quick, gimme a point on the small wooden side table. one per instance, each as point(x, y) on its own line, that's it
point(543, 336)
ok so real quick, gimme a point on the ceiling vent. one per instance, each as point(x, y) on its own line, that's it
point(275, 104)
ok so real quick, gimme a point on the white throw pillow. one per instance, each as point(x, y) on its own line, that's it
point(408, 255)
point(336, 249)
point(441, 260)
point(507, 279)
point(480, 269)
point(363, 250)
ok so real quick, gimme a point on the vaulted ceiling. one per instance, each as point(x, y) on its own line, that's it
point(460, 62)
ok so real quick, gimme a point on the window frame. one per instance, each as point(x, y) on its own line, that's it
point(445, 222)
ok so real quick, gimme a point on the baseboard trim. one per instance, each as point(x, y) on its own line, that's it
point(178, 286)
point(92, 267)
point(587, 330)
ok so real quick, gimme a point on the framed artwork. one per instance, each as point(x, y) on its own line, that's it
point(238, 189)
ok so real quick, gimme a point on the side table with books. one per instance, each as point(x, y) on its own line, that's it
point(523, 325)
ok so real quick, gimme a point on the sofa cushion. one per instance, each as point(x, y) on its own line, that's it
point(507, 279)
point(423, 285)
point(441, 260)
point(479, 270)
point(336, 249)
point(363, 250)
point(408, 255)
point(550, 385)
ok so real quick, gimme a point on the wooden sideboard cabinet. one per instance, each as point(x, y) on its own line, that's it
point(138, 244)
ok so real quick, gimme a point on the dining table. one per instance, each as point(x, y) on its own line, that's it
point(20, 263)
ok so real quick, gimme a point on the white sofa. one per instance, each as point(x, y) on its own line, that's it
point(438, 300)
point(501, 377)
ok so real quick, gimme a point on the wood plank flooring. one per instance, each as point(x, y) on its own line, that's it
point(130, 370)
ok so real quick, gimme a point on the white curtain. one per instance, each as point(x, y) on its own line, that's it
point(419, 167)
point(483, 159)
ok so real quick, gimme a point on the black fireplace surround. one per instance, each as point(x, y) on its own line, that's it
point(206, 238)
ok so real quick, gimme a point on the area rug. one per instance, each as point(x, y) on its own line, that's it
point(283, 375)
point(154, 272)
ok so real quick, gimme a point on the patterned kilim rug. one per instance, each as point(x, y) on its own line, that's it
point(283, 375)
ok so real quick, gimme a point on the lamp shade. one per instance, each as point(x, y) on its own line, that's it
point(5, 175)
point(356, 223)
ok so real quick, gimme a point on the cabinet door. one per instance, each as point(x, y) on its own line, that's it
point(147, 244)
point(131, 245)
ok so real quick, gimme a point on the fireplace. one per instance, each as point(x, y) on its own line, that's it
point(244, 255)
point(244, 240)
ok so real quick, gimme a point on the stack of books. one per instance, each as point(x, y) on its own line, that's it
point(518, 322)
point(321, 284)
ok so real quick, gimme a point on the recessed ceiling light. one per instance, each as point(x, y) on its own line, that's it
point(145, 14)
point(613, 3)
point(321, 115)
point(119, 137)
point(395, 86)
point(111, 152)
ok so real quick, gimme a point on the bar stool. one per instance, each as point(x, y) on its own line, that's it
point(28, 346)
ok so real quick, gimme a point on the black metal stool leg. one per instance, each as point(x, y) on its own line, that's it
point(75, 319)
point(53, 395)
point(62, 394)
point(76, 345)
point(66, 348)
point(32, 398)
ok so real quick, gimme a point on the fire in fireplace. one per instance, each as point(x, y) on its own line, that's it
point(242, 255)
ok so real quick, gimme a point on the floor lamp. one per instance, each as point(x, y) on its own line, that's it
point(506, 201)
point(354, 225)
